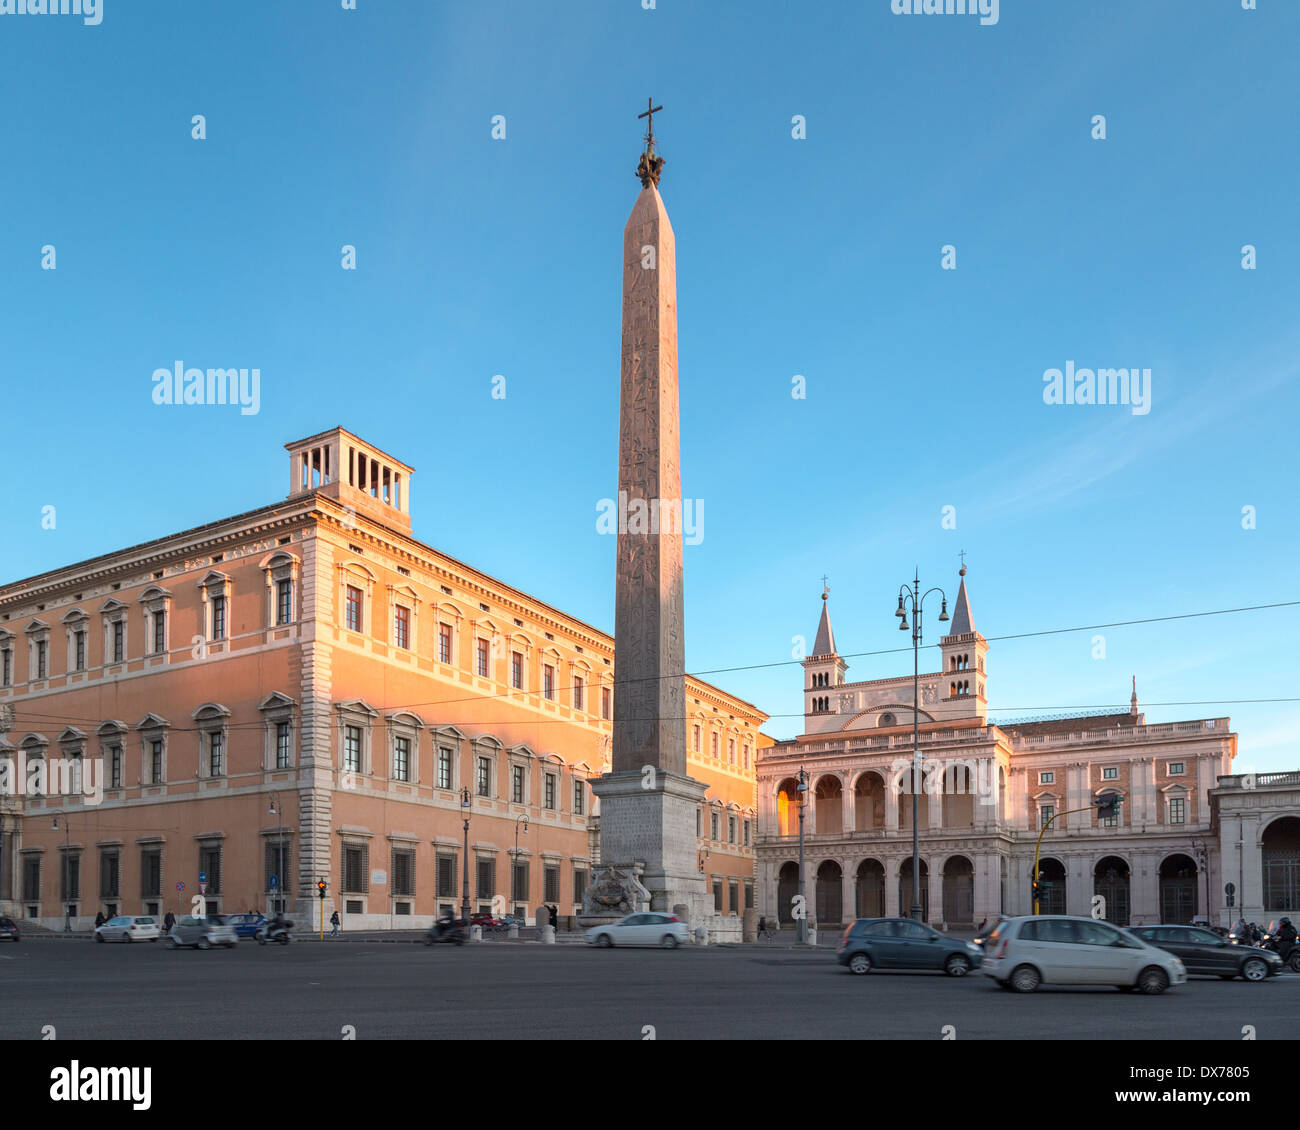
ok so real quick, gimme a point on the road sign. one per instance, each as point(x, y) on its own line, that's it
point(275, 881)
point(180, 886)
point(1229, 889)
point(203, 888)
point(203, 876)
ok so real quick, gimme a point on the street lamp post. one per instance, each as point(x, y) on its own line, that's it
point(279, 851)
point(914, 598)
point(67, 916)
point(802, 926)
point(464, 886)
point(514, 866)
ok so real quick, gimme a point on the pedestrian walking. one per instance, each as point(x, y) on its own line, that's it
point(169, 920)
point(555, 917)
point(100, 919)
point(335, 924)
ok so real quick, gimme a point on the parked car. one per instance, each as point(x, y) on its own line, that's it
point(8, 930)
point(902, 943)
point(128, 928)
point(664, 930)
point(1058, 949)
point(203, 933)
point(246, 925)
point(487, 921)
point(1202, 951)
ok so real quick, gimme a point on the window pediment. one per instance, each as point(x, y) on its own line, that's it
point(151, 721)
point(112, 608)
point(36, 627)
point(405, 718)
point(34, 741)
point(356, 706)
point(276, 701)
point(214, 579)
point(210, 711)
point(72, 617)
point(154, 592)
point(72, 735)
point(111, 728)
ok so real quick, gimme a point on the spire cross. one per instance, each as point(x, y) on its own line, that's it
point(962, 555)
point(651, 111)
point(825, 578)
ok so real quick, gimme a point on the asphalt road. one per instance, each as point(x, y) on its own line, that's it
point(310, 991)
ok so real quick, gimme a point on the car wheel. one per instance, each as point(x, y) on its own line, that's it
point(1152, 980)
point(668, 943)
point(1025, 979)
point(204, 944)
point(604, 941)
point(1253, 969)
point(956, 966)
point(859, 963)
point(1293, 961)
point(283, 939)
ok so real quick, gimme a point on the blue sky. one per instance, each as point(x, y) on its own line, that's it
point(818, 257)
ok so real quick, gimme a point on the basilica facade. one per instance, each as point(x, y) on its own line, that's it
point(983, 792)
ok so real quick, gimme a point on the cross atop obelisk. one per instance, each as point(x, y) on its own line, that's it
point(651, 166)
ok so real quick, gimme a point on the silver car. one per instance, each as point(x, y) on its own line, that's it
point(1059, 949)
point(647, 929)
point(128, 928)
point(203, 933)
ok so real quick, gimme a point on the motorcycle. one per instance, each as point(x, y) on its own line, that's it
point(452, 931)
point(1288, 949)
point(274, 932)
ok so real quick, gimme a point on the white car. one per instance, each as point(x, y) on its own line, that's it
point(128, 928)
point(650, 929)
point(1058, 949)
point(204, 933)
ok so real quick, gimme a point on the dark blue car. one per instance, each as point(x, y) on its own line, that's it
point(246, 925)
point(902, 943)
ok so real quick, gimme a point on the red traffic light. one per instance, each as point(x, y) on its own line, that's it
point(320, 888)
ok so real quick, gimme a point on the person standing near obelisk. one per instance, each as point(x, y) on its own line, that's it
point(648, 803)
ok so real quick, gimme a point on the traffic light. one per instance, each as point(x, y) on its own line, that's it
point(1038, 893)
point(1107, 806)
point(320, 889)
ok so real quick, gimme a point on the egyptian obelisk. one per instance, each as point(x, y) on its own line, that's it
point(648, 803)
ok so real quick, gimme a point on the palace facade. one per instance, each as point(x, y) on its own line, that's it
point(984, 792)
point(220, 718)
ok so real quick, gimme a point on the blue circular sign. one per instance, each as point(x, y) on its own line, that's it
point(275, 881)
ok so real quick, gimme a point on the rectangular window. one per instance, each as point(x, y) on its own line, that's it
point(31, 878)
point(6, 668)
point(746, 757)
point(284, 602)
point(79, 642)
point(444, 643)
point(579, 797)
point(115, 766)
point(218, 617)
point(731, 751)
point(548, 790)
point(481, 658)
point(403, 872)
point(1176, 769)
point(606, 701)
point(283, 749)
point(697, 823)
point(749, 895)
point(715, 826)
point(731, 830)
point(215, 743)
point(1110, 774)
point(696, 739)
point(402, 627)
point(70, 876)
point(578, 689)
point(713, 742)
point(551, 892)
point(353, 609)
point(1045, 813)
point(717, 894)
point(275, 865)
point(210, 864)
point(42, 660)
point(517, 784)
point(159, 632)
point(733, 895)
point(446, 877)
point(444, 767)
point(517, 670)
point(1177, 810)
point(1110, 821)
point(483, 777)
point(352, 748)
point(548, 681)
point(579, 884)
point(155, 763)
point(401, 761)
point(519, 882)
point(110, 875)
point(356, 869)
point(747, 832)
point(1046, 778)
point(119, 640)
point(150, 873)
point(487, 877)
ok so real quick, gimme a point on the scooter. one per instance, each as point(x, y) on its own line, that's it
point(452, 931)
point(274, 932)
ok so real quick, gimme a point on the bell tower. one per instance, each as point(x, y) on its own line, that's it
point(823, 669)
point(963, 650)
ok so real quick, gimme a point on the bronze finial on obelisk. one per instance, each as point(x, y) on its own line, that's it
point(651, 165)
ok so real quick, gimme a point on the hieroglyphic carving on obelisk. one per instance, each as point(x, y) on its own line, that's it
point(649, 655)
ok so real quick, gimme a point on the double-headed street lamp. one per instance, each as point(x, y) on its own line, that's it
point(464, 887)
point(915, 599)
point(514, 867)
point(278, 813)
point(67, 892)
point(801, 928)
